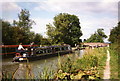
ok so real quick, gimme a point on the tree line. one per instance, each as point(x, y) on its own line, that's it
point(19, 31)
point(115, 34)
point(98, 36)
point(114, 37)
point(65, 29)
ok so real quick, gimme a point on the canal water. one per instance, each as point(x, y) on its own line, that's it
point(35, 68)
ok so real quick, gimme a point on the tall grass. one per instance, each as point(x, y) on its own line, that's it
point(114, 62)
point(94, 58)
point(46, 74)
point(90, 66)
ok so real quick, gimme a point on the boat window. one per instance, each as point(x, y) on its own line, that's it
point(39, 52)
point(60, 48)
point(45, 51)
point(63, 48)
point(66, 48)
point(57, 49)
point(49, 50)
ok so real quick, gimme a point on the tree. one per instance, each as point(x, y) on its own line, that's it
point(19, 31)
point(115, 34)
point(98, 36)
point(11, 34)
point(25, 24)
point(65, 29)
point(37, 39)
point(6, 33)
point(24, 20)
point(45, 41)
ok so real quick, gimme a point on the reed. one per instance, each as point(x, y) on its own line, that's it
point(90, 66)
point(46, 74)
point(114, 62)
point(7, 76)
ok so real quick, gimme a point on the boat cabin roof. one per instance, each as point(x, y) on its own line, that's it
point(53, 46)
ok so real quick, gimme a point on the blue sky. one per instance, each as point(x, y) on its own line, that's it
point(92, 14)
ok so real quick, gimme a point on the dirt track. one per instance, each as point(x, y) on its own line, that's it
point(107, 67)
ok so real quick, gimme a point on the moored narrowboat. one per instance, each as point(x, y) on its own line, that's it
point(38, 53)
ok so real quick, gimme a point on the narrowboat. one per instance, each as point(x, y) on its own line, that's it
point(38, 53)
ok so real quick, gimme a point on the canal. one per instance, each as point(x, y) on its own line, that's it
point(34, 68)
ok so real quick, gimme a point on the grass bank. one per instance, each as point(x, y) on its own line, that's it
point(90, 66)
point(114, 62)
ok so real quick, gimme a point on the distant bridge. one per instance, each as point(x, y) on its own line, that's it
point(95, 44)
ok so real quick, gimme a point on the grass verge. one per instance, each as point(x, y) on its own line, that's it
point(90, 66)
point(114, 62)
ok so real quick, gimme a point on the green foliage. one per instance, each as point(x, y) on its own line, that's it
point(6, 76)
point(46, 74)
point(89, 67)
point(6, 32)
point(13, 34)
point(92, 58)
point(19, 31)
point(24, 20)
point(115, 34)
point(25, 24)
point(91, 61)
point(66, 29)
point(45, 41)
point(114, 62)
point(37, 39)
point(97, 36)
point(114, 38)
point(68, 66)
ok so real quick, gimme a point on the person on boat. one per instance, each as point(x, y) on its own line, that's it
point(21, 49)
point(17, 56)
point(31, 48)
point(31, 44)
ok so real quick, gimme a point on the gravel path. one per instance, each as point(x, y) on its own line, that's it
point(107, 67)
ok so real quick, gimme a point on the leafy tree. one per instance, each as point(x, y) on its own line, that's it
point(24, 20)
point(19, 31)
point(115, 34)
point(37, 39)
point(114, 38)
point(11, 34)
point(98, 36)
point(25, 24)
point(45, 41)
point(65, 29)
point(6, 32)
point(16, 35)
point(51, 32)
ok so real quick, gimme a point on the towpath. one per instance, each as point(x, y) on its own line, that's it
point(107, 67)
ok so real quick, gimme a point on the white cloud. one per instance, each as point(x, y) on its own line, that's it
point(9, 6)
point(88, 27)
point(60, 0)
point(40, 26)
point(86, 11)
point(20, 0)
point(10, 10)
point(77, 7)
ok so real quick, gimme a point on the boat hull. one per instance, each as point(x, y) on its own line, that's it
point(39, 57)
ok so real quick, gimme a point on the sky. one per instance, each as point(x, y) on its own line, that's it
point(92, 14)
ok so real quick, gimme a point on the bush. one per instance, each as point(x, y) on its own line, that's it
point(87, 67)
